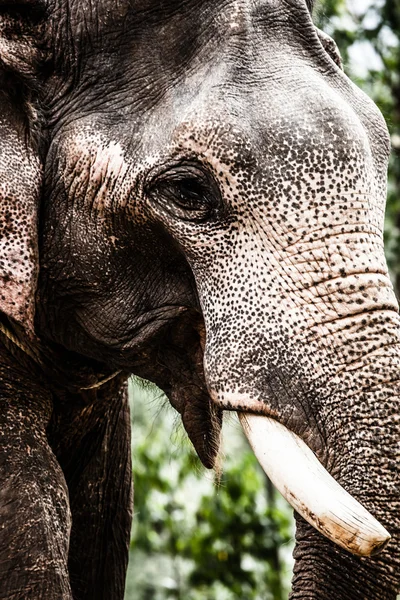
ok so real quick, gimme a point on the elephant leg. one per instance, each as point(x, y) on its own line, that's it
point(92, 443)
point(34, 510)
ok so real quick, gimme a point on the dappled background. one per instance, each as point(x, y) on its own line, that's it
point(227, 535)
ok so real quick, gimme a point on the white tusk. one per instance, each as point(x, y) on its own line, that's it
point(299, 476)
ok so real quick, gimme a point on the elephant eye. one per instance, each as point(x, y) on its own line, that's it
point(186, 193)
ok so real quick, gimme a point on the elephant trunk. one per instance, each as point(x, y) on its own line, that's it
point(356, 414)
point(323, 571)
point(366, 452)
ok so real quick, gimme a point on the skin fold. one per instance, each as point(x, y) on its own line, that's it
point(192, 192)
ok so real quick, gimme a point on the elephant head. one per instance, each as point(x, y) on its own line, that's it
point(203, 189)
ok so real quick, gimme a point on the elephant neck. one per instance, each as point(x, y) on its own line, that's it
point(54, 368)
point(71, 376)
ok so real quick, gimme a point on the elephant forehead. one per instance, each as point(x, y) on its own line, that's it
point(268, 134)
point(298, 189)
point(269, 122)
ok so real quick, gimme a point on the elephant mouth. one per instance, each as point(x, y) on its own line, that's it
point(294, 469)
point(289, 463)
point(174, 362)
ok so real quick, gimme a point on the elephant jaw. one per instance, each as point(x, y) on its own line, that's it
point(297, 473)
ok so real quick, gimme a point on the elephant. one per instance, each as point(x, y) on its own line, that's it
point(191, 192)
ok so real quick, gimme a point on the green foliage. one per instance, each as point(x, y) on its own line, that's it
point(237, 536)
point(210, 536)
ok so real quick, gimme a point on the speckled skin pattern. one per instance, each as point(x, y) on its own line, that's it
point(205, 190)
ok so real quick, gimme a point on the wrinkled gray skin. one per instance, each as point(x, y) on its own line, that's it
point(184, 181)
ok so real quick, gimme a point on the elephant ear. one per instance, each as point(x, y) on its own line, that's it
point(21, 28)
point(330, 47)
